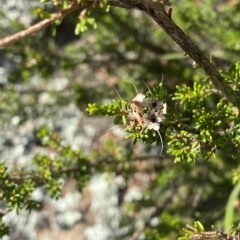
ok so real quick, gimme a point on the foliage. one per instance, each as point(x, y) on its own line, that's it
point(198, 232)
point(141, 115)
point(205, 135)
point(193, 125)
point(18, 185)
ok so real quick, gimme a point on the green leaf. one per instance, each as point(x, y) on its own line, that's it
point(229, 212)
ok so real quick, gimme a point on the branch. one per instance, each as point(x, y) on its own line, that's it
point(38, 26)
point(156, 10)
point(162, 18)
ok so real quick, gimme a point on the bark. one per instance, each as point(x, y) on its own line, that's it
point(155, 10)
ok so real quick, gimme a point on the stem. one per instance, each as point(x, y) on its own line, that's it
point(38, 26)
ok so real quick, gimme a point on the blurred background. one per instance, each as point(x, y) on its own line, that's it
point(48, 81)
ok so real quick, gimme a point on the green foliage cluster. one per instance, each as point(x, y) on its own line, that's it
point(16, 193)
point(213, 128)
point(199, 232)
point(47, 171)
point(121, 110)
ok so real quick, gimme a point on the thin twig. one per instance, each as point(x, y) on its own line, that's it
point(20, 177)
point(38, 26)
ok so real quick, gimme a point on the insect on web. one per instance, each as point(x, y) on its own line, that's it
point(143, 112)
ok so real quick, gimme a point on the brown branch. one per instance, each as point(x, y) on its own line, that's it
point(38, 26)
point(162, 18)
point(20, 177)
point(157, 12)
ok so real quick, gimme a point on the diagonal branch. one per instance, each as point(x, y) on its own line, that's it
point(161, 17)
point(156, 10)
point(38, 26)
